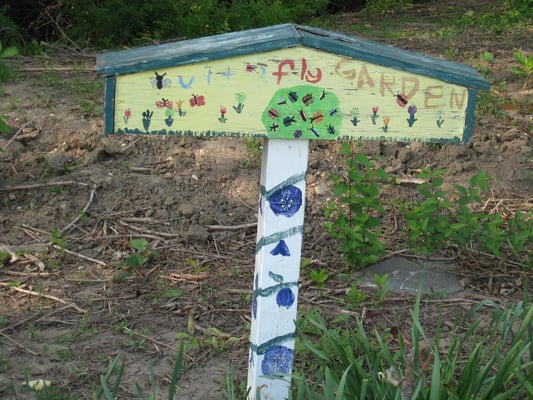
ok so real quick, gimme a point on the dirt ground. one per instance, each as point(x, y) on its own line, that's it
point(72, 199)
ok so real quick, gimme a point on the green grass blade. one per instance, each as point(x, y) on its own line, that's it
point(176, 372)
point(434, 393)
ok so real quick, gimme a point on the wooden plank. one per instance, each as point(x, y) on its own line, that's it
point(389, 56)
point(281, 36)
point(291, 93)
point(277, 268)
point(197, 50)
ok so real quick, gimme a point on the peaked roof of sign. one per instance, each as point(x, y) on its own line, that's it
point(172, 54)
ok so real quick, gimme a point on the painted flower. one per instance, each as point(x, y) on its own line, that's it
point(223, 111)
point(386, 122)
point(277, 361)
point(355, 114)
point(412, 111)
point(127, 115)
point(374, 115)
point(286, 201)
point(285, 298)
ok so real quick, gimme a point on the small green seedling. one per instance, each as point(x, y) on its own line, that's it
point(134, 262)
point(4, 127)
point(319, 276)
point(525, 69)
point(382, 284)
point(7, 52)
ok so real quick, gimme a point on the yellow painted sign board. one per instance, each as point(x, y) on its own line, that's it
point(288, 82)
point(290, 93)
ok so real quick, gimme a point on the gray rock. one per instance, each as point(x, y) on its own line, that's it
point(196, 233)
point(409, 277)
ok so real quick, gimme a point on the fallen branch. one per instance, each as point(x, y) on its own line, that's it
point(46, 296)
point(87, 258)
point(188, 277)
point(231, 227)
point(71, 224)
point(40, 185)
point(16, 133)
point(18, 344)
point(160, 235)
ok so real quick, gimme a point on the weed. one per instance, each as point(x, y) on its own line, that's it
point(319, 276)
point(57, 190)
point(355, 210)
point(6, 52)
point(91, 108)
point(4, 127)
point(355, 298)
point(80, 332)
point(4, 258)
point(136, 261)
point(254, 151)
point(525, 68)
point(382, 285)
point(57, 238)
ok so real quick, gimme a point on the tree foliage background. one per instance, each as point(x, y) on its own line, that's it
point(108, 24)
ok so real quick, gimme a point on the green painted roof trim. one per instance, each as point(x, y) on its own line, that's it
point(282, 36)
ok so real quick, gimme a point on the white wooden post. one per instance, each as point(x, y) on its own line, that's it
point(277, 268)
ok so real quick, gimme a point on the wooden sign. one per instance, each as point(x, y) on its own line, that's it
point(289, 84)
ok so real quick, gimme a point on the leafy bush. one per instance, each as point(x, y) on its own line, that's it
point(114, 23)
point(5, 71)
point(356, 209)
point(436, 219)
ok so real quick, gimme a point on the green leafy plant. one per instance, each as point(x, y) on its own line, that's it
point(319, 276)
point(57, 238)
point(4, 258)
point(4, 127)
point(355, 298)
point(382, 285)
point(435, 221)
point(5, 71)
point(355, 212)
point(137, 260)
point(525, 69)
point(254, 151)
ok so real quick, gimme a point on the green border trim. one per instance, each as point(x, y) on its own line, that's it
point(470, 115)
point(109, 104)
point(275, 37)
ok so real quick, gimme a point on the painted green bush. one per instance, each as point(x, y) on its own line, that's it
point(305, 111)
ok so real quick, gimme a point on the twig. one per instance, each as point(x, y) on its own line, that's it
point(46, 296)
point(16, 133)
point(91, 197)
point(150, 339)
point(160, 234)
point(189, 277)
point(78, 50)
point(26, 274)
point(18, 344)
point(231, 227)
point(40, 185)
point(87, 258)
